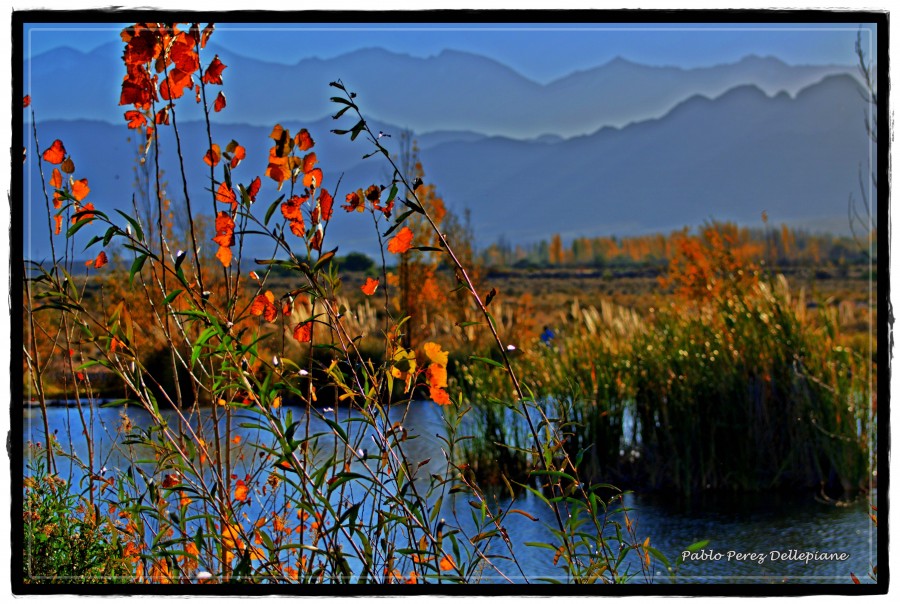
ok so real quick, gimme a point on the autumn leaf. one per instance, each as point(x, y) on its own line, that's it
point(264, 305)
point(253, 189)
point(370, 286)
point(213, 73)
point(436, 375)
point(219, 103)
point(435, 354)
point(80, 189)
point(56, 179)
point(162, 116)
point(224, 229)
point(101, 260)
point(291, 208)
point(212, 156)
point(373, 193)
point(84, 212)
point(26, 100)
point(303, 332)
point(225, 194)
point(135, 119)
point(55, 153)
point(354, 203)
point(313, 178)
point(175, 83)
point(241, 491)
point(401, 242)
point(238, 156)
point(439, 396)
point(447, 563)
point(59, 220)
point(68, 166)
point(224, 255)
point(309, 162)
point(170, 481)
point(325, 202)
point(303, 140)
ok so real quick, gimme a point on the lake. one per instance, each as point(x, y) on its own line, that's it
point(752, 538)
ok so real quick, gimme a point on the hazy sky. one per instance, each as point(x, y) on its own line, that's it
point(540, 52)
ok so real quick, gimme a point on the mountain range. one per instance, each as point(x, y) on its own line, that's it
point(574, 157)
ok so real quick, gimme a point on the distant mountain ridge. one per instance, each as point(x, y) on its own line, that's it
point(453, 90)
point(730, 157)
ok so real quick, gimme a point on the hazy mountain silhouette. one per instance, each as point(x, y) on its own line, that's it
point(729, 157)
point(453, 90)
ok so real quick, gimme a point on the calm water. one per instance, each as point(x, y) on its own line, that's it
point(767, 527)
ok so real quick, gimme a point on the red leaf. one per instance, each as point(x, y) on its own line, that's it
point(162, 116)
point(58, 220)
point(354, 203)
point(253, 189)
point(56, 179)
point(303, 332)
point(56, 153)
point(370, 286)
point(401, 242)
point(309, 161)
point(26, 101)
point(174, 84)
point(101, 260)
point(304, 140)
point(220, 103)
point(213, 73)
point(135, 118)
point(325, 202)
point(291, 209)
point(205, 34)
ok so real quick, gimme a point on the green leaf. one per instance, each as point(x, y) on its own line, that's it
point(135, 225)
point(486, 361)
point(359, 127)
point(136, 267)
point(271, 210)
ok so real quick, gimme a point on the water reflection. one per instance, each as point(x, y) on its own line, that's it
point(770, 526)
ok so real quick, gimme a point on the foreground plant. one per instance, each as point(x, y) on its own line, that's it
point(271, 446)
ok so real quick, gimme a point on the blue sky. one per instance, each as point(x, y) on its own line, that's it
point(540, 52)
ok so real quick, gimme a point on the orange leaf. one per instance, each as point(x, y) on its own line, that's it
point(239, 154)
point(225, 194)
point(80, 189)
point(55, 153)
point(304, 140)
point(162, 116)
point(447, 563)
point(439, 396)
point(370, 286)
point(212, 156)
point(303, 332)
point(87, 215)
point(58, 220)
point(101, 260)
point(312, 179)
point(224, 230)
point(401, 242)
point(264, 305)
point(220, 102)
point(224, 255)
point(309, 162)
point(436, 375)
point(290, 209)
point(56, 179)
point(213, 73)
point(170, 481)
point(241, 491)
